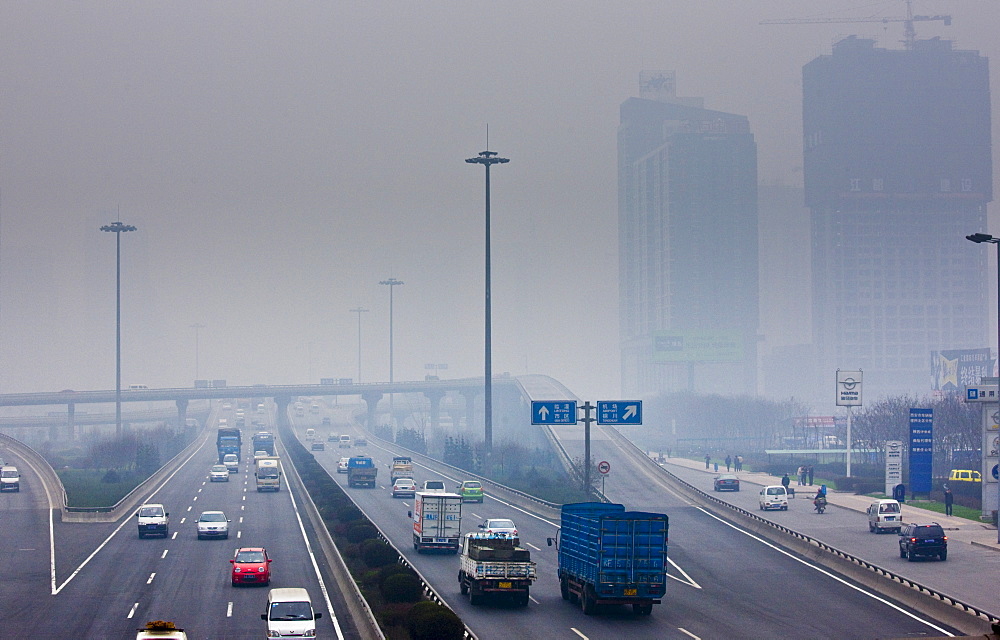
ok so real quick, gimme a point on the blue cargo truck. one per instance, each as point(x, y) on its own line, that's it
point(264, 441)
point(229, 440)
point(611, 556)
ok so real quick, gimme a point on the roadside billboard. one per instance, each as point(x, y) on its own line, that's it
point(921, 450)
point(697, 346)
point(956, 369)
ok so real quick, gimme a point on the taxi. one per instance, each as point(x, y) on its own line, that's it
point(471, 491)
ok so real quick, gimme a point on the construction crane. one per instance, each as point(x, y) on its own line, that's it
point(910, 32)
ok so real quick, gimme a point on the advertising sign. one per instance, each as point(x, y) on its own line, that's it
point(848, 388)
point(697, 346)
point(921, 449)
point(951, 371)
point(893, 465)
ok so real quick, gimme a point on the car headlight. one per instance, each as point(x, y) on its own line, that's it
point(261, 569)
point(237, 569)
point(273, 634)
point(310, 633)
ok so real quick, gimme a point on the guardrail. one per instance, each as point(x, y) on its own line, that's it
point(949, 600)
point(49, 477)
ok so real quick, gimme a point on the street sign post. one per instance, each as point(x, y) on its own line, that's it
point(624, 412)
point(604, 467)
point(553, 412)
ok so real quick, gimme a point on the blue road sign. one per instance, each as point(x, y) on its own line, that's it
point(619, 412)
point(553, 412)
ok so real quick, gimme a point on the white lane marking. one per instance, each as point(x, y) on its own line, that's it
point(244, 497)
point(165, 552)
point(182, 520)
point(241, 519)
point(195, 499)
point(532, 598)
point(229, 610)
point(579, 633)
point(243, 507)
point(132, 611)
point(151, 576)
point(687, 578)
point(312, 558)
point(202, 484)
point(189, 508)
point(174, 536)
point(688, 633)
point(199, 490)
point(239, 534)
point(476, 515)
point(828, 574)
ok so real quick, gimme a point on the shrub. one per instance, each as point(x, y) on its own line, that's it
point(376, 553)
point(111, 477)
point(394, 614)
point(402, 587)
point(439, 623)
point(360, 532)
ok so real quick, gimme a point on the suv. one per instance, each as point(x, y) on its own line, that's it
point(923, 540)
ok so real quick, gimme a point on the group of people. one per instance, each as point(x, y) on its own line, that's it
point(805, 475)
point(733, 463)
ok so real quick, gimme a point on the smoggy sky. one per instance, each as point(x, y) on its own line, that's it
point(281, 158)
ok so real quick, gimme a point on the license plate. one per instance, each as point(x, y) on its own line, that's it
point(505, 585)
point(631, 592)
point(890, 518)
point(444, 540)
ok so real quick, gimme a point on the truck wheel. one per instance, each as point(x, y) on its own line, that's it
point(522, 599)
point(141, 535)
point(462, 585)
point(475, 599)
point(564, 588)
point(587, 602)
point(902, 552)
point(643, 609)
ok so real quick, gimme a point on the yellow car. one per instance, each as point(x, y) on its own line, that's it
point(964, 475)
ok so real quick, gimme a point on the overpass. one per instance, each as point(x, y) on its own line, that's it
point(371, 392)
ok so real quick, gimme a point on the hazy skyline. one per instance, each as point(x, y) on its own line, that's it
point(280, 159)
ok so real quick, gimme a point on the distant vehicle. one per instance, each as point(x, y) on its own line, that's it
point(923, 540)
point(727, 482)
point(333, 437)
point(251, 566)
point(499, 525)
point(342, 465)
point(361, 471)
point(314, 408)
point(10, 479)
point(160, 630)
point(260, 454)
point(345, 441)
point(231, 462)
point(213, 524)
point(138, 387)
point(154, 520)
point(964, 475)
point(773, 497)
point(883, 515)
point(360, 442)
point(434, 486)
point(267, 473)
point(325, 421)
point(310, 434)
point(403, 488)
point(401, 467)
point(471, 491)
point(318, 445)
point(227, 406)
point(260, 408)
point(218, 473)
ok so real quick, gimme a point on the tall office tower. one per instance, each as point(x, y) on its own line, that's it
point(687, 226)
point(898, 170)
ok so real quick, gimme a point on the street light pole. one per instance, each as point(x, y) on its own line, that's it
point(359, 311)
point(197, 327)
point(987, 238)
point(391, 283)
point(488, 159)
point(118, 229)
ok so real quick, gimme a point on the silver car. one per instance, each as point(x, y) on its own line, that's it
point(213, 524)
point(219, 473)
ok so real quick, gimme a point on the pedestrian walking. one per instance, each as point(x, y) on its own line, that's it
point(801, 473)
point(785, 481)
point(729, 462)
point(949, 500)
point(707, 460)
point(809, 472)
point(739, 463)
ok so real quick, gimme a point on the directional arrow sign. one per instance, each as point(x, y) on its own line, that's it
point(619, 412)
point(553, 412)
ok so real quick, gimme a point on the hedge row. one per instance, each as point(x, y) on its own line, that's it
point(392, 590)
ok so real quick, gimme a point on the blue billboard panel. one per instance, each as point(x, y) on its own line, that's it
point(553, 412)
point(921, 449)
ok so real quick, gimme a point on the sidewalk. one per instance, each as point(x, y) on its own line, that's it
point(959, 529)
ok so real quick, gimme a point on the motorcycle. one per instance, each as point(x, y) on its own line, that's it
point(820, 504)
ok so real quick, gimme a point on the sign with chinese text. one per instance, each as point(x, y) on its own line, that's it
point(893, 465)
point(921, 449)
point(848, 388)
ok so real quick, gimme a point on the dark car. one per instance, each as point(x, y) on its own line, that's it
point(727, 482)
point(923, 540)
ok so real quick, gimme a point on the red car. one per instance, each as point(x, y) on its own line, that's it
point(251, 566)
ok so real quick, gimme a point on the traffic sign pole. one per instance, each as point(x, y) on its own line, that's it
point(587, 408)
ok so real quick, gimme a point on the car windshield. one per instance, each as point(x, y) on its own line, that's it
point(7, 473)
point(404, 483)
point(889, 508)
point(433, 484)
point(219, 467)
point(472, 485)
point(213, 517)
point(775, 491)
point(291, 611)
point(248, 557)
point(928, 531)
point(150, 512)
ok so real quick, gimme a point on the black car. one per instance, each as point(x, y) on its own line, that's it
point(922, 540)
point(727, 482)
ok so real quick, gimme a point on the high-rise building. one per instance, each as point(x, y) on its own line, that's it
point(898, 170)
point(687, 211)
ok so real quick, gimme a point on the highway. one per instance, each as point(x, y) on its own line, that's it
point(109, 582)
point(725, 582)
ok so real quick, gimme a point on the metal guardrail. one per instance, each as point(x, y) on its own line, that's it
point(860, 562)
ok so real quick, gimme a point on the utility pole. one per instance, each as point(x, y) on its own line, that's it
point(359, 311)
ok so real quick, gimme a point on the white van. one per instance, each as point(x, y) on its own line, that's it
point(310, 434)
point(774, 496)
point(345, 441)
point(10, 479)
point(290, 614)
point(885, 515)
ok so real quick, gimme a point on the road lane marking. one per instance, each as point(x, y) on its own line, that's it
point(174, 536)
point(241, 519)
point(189, 508)
point(132, 611)
point(165, 552)
point(151, 576)
point(579, 633)
point(195, 499)
point(229, 610)
point(239, 534)
point(532, 598)
point(687, 579)
point(688, 633)
point(533, 546)
point(182, 520)
point(828, 574)
point(199, 490)
point(476, 515)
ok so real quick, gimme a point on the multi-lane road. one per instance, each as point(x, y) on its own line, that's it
point(101, 580)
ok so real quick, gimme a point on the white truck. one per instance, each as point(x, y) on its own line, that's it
point(437, 521)
point(401, 467)
point(267, 471)
point(493, 565)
